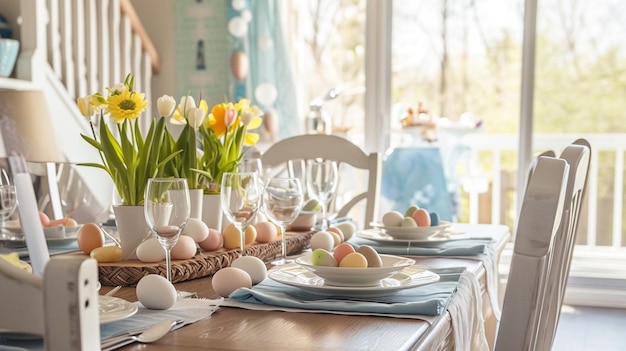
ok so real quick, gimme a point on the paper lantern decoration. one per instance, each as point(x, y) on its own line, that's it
point(266, 94)
point(238, 27)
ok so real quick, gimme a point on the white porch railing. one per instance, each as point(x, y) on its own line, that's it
point(604, 200)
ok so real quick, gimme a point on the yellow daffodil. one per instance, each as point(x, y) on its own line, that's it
point(132, 159)
point(224, 134)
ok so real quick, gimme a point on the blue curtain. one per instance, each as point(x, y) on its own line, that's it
point(260, 68)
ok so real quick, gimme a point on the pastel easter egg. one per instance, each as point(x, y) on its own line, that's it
point(392, 219)
point(347, 228)
point(422, 218)
point(322, 257)
point(434, 219)
point(342, 250)
point(354, 260)
point(322, 240)
point(408, 222)
point(371, 255)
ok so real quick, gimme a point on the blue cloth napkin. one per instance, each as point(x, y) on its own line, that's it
point(189, 310)
point(429, 300)
point(461, 247)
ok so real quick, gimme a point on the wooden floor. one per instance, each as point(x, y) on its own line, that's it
point(591, 329)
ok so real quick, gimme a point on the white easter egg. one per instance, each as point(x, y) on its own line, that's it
point(155, 292)
point(393, 219)
point(253, 266)
point(184, 249)
point(150, 250)
point(196, 229)
point(322, 240)
point(229, 279)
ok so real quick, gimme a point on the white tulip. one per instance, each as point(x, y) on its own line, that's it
point(166, 105)
point(186, 103)
point(195, 117)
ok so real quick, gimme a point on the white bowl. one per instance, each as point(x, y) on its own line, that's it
point(415, 233)
point(304, 222)
point(347, 276)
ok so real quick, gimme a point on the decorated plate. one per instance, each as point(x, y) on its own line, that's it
point(381, 237)
point(296, 275)
point(412, 233)
point(348, 276)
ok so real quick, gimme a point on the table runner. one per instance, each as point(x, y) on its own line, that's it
point(477, 247)
point(458, 291)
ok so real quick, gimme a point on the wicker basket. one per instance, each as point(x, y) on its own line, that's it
point(201, 265)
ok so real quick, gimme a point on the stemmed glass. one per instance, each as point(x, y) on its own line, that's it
point(282, 201)
point(241, 198)
point(321, 182)
point(8, 201)
point(167, 210)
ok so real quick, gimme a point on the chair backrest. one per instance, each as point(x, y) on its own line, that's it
point(331, 147)
point(62, 306)
point(578, 156)
point(538, 223)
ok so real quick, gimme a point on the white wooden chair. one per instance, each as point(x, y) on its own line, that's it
point(538, 223)
point(62, 306)
point(346, 153)
point(578, 156)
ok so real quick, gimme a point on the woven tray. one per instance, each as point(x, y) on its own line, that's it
point(201, 265)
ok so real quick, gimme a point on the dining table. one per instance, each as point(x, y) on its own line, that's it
point(241, 326)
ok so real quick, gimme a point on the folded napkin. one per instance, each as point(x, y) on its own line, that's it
point(189, 310)
point(419, 302)
point(461, 247)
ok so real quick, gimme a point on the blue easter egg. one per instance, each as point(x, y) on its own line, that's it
point(434, 219)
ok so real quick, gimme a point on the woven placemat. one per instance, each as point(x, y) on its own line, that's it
point(201, 265)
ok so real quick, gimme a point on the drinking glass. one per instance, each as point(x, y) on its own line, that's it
point(321, 183)
point(253, 165)
point(241, 198)
point(8, 201)
point(282, 201)
point(167, 210)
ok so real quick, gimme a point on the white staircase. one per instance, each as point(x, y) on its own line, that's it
point(71, 48)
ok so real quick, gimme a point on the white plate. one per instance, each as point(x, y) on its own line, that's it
point(348, 276)
point(377, 235)
point(114, 309)
point(295, 275)
point(415, 233)
point(20, 242)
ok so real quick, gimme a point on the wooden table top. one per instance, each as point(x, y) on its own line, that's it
point(241, 329)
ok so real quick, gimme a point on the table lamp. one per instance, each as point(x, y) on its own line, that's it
point(26, 129)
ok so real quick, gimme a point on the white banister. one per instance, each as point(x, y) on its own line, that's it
point(104, 61)
point(67, 61)
point(79, 47)
point(116, 46)
point(91, 45)
point(54, 38)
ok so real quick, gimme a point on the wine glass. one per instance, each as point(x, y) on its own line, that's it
point(282, 201)
point(8, 201)
point(321, 182)
point(167, 210)
point(253, 165)
point(241, 199)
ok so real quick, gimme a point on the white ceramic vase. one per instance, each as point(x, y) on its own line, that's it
point(131, 227)
point(196, 203)
point(212, 214)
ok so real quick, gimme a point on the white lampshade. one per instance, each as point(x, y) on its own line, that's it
point(26, 126)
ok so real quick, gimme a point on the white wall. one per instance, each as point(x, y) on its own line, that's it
point(158, 20)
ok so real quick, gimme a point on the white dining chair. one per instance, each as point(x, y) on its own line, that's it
point(330, 147)
point(61, 306)
point(578, 156)
point(538, 223)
